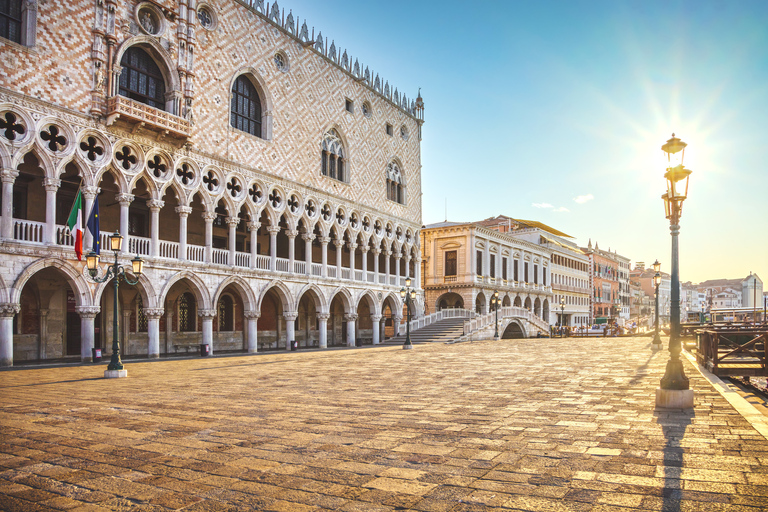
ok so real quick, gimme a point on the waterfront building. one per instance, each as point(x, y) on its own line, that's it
point(644, 276)
point(569, 267)
point(609, 278)
point(270, 181)
point(465, 263)
point(752, 291)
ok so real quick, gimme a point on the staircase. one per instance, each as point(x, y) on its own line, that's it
point(442, 331)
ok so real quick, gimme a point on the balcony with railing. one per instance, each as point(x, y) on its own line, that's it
point(120, 108)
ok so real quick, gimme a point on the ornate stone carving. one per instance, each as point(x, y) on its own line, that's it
point(87, 311)
point(9, 309)
point(153, 313)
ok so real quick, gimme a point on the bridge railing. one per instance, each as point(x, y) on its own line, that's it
point(506, 312)
point(443, 314)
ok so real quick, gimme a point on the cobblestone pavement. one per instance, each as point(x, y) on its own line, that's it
point(536, 424)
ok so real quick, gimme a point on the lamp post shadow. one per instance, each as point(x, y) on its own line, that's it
point(673, 424)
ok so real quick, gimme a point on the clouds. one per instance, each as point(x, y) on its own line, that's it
point(583, 198)
point(542, 205)
point(548, 206)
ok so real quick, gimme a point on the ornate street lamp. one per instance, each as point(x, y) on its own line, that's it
point(656, 281)
point(562, 314)
point(409, 294)
point(495, 303)
point(674, 391)
point(115, 368)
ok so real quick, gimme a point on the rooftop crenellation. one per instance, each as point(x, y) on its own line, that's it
point(319, 44)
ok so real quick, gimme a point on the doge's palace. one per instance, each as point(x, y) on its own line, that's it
point(270, 180)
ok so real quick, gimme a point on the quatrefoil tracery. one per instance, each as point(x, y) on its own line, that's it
point(185, 174)
point(211, 182)
point(10, 127)
point(353, 220)
point(366, 224)
point(326, 213)
point(275, 199)
point(255, 193)
point(310, 208)
point(157, 166)
point(56, 141)
point(293, 203)
point(340, 216)
point(91, 148)
point(234, 187)
point(126, 158)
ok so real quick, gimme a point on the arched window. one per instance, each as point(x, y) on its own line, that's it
point(246, 107)
point(187, 312)
point(334, 162)
point(226, 314)
point(141, 79)
point(395, 183)
point(10, 20)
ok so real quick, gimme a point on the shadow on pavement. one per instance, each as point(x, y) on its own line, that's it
point(673, 426)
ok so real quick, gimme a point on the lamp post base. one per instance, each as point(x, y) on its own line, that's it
point(115, 374)
point(407, 347)
point(674, 398)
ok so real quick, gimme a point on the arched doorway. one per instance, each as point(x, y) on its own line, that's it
point(229, 325)
point(537, 307)
point(271, 326)
point(307, 323)
point(337, 322)
point(518, 302)
point(389, 325)
point(449, 300)
point(480, 304)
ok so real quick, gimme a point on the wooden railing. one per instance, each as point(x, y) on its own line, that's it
point(734, 350)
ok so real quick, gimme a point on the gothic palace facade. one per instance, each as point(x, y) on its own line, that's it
point(270, 181)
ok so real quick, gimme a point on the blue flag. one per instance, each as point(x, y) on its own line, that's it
point(93, 226)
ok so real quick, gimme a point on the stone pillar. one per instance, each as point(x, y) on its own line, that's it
point(154, 208)
point(417, 274)
point(42, 345)
point(232, 222)
point(89, 194)
point(350, 319)
point(376, 328)
point(352, 246)
point(290, 328)
point(398, 319)
point(383, 329)
point(273, 231)
point(323, 329)
point(153, 331)
point(252, 319)
point(339, 244)
point(183, 212)
point(407, 265)
point(87, 332)
point(398, 257)
point(125, 326)
point(292, 234)
point(324, 241)
point(207, 315)
point(387, 254)
point(8, 177)
point(487, 259)
point(376, 252)
point(364, 256)
point(51, 187)
point(208, 218)
point(308, 237)
point(7, 312)
point(125, 201)
point(253, 227)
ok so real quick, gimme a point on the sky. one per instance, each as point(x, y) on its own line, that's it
point(557, 111)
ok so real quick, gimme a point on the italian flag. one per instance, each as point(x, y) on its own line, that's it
point(75, 224)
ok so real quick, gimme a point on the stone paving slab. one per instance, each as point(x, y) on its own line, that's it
point(533, 424)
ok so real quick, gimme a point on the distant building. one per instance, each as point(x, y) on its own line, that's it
point(752, 291)
point(609, 274)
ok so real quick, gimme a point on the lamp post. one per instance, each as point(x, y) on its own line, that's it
point(562, 314)
point(115, 368)
point(495, 303)
point(409, 294)
point(656, 281)
point(674, 391)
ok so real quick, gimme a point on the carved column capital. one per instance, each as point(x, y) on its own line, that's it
point(87, 311)
point(153, 313)
point(232, 222)
point(292, 233)
point(273, 230)
point(9, 175)
point(208, 217)
point(90, 192)
point(290, 316)
point(252, 315)
point(183, 211)
point(125, 199)
point(338, 243)
point(376, 318)
point(308, 237)
point(364, 249)
point(323, 316)
point(206, 313)
point(155, 204)
point(9, 309)
point(350, 318)
point(254, 226)
point(352, 246)
point(51, 184)
point(325, 240)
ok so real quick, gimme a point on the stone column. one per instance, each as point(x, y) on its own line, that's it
point(252, 318)
point(364, 256)
point(87, 332)
point(407, 264)
point(323, 329)
point(7, 312)
point(417, 274)
point(8, 177)
point(183, 212)
point(51, 187)
point(350, 319)
point(383, 331)
point(387, 254)
point(253, 227)
point(125, 326)
point(207, 315)
point(339, 244)
point(397, 321)
point(125, 201)
point(290, 328)
point(292, 234)
point(487, 259)
point(273, 231)
point(42, 345)
point(472, 260)
point(89, 194)
point(154, 207)
point(324, 241)
point(153, 331)
point(308, 237)
point(376, 328)
point(376, 252)
point(232, 222)
point(352, 246)
point(208, 217)
point(398, 256)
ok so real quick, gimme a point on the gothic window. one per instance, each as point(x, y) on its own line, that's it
point(334, 162)
point(450, 263)
point(226, 314)
point(10, 20)
point(395, 183)
point(187, 312)
point(141, 323)
point(141, 79)
point(246, 107)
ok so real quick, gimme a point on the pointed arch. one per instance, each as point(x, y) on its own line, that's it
point(145, 287)
point(76, 280)
point(242, 286)
point(368, 295)
point(282, 291)
point(395, 305)
point(118, 176)
point(265, 98)
point(334, 155)
point(318, 296)
point(199, 288)
point(345, 296)
point(164, 62)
